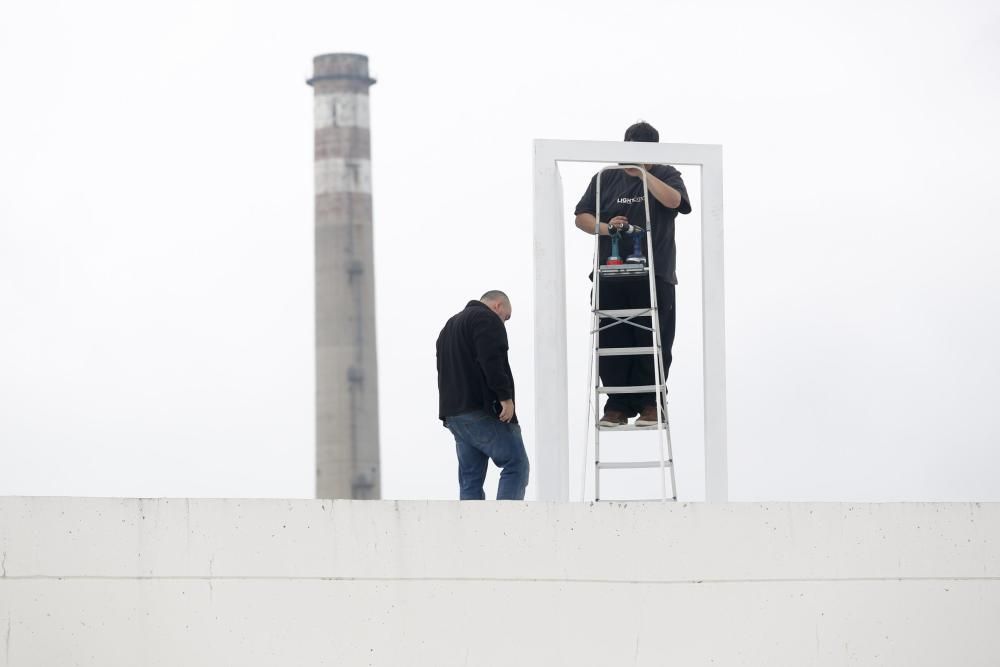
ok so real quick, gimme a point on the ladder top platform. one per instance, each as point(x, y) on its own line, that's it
point(622, 271)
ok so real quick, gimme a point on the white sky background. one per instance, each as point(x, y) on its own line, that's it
point(156, 217)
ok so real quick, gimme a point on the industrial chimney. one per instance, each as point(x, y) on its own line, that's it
point(347, 444)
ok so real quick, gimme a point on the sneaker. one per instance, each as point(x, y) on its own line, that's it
point(647, 417)
point(613, 418)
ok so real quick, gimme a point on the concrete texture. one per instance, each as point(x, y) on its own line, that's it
point(347, 441)
point(262, 582)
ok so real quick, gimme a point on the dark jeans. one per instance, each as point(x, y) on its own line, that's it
point(480, 437)
point(629, 371)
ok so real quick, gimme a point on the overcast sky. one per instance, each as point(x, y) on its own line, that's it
point(156, 225)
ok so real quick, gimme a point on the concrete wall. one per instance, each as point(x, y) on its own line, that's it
point(264, 582)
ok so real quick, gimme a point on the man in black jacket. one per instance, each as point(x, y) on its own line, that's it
point(476, 398)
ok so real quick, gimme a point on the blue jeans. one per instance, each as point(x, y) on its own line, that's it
point(480, 437)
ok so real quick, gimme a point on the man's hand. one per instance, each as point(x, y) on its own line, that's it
point(506, 410)
point(617, 223)
point(633, 172)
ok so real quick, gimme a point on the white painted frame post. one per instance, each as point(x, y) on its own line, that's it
point(550, 215)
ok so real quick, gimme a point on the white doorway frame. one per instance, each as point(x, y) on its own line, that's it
point(550, 215)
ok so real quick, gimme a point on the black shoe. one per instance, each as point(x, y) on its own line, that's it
point(613, 418)
point(647, 417)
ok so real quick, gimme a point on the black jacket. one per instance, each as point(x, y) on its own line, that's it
point(473, 371)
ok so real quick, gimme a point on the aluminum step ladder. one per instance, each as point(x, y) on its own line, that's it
point(626, 317)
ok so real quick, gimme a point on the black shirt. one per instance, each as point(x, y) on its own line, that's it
point(622, 194)
point(473, 371)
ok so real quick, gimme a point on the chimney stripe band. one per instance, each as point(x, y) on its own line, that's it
point(343, 175)
point(341, 110)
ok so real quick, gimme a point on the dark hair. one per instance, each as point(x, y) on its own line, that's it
point(642, 131)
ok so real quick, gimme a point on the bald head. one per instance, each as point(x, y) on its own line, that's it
point(498, 302)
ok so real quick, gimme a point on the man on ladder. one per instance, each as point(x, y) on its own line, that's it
point(623, 211)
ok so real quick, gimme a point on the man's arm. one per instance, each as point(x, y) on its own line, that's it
point(585, 221)
point(585, 218)
point(664, 194)
point(489, 339)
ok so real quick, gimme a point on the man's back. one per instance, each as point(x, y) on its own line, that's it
point(472, 365)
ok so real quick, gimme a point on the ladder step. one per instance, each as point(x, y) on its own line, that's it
point(624, 351)
point(625, 312)
point(632, 427)
point(622, 270)
point(616, 465)
point(639, 389)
